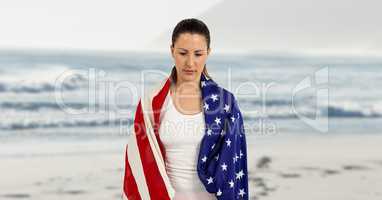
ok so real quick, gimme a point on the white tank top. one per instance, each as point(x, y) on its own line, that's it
point(181, 136)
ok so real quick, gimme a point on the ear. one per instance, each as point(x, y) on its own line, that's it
point(208, 51)
point(172, 51)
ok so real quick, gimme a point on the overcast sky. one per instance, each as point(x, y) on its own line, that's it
point(324, 26)
point(90, 24)
point(295, 26)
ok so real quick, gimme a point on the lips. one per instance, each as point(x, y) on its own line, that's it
point(187, 71)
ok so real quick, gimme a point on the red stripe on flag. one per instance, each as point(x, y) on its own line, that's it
point(129, 185)
point(154, 180)
point(157, 104)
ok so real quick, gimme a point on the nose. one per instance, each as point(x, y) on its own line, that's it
point(190, 61)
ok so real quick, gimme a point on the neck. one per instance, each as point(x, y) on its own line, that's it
point(187, 87)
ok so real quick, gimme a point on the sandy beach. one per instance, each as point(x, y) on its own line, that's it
point(298, 168)
point(326, 167)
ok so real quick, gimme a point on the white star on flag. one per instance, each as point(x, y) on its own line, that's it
point(224, 167)
point(240, 174)
point(218, 120)
point(241, 154)
point(231, 184)
point(206, 106)
point(214, 97)
point(219, 193)
point(241, 193)
point(203, 83)
point(209, 132)
point(233, 119)
point(210, 180)
point(235, 158)
point(222, 133)
point(217, 157)
point(226, 107)
point(228, 142)
point(204, 159)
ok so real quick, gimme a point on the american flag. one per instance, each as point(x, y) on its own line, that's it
point(222, 159)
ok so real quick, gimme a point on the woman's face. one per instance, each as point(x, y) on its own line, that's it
point(190, 54)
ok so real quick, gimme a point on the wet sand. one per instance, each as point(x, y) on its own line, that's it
point(295, 168)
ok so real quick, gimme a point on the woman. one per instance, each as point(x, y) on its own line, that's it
point(188, 140)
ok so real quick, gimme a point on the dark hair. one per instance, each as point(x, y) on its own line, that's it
point(193, 26)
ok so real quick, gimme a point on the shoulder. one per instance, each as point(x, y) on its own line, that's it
point(230, 99)
point(227, 95)
point(214, 88)
point(149, 91)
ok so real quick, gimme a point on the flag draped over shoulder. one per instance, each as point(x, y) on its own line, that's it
point(222, 159)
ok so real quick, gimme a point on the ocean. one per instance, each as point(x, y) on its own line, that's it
point(48, 93)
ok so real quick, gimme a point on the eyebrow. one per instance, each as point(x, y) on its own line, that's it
point(195, 51)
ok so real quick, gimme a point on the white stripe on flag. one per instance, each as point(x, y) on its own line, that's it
point(124, 197)
point(135, 162)
point(155, 147)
